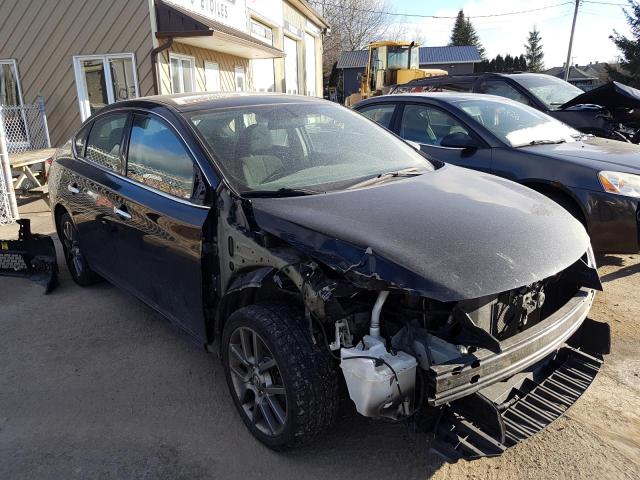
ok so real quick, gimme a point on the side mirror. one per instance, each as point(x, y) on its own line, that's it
point(460, 140)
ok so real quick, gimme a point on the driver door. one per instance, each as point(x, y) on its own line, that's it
point(428, 125)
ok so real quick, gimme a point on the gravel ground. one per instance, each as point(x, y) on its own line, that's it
point(93, 384)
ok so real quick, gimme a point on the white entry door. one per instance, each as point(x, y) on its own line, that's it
point(212, 76)
point(291, 65)
point(310, 64)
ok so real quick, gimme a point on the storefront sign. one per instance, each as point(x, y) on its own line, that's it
point(270, 10)
point(229, 12)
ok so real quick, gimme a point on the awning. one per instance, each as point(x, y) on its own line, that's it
point(197, 30)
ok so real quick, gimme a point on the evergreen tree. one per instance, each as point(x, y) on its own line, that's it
point(629, 47)
point(522, 63)
point(534, 54)
point(464, 33)
point(459, 32)
point(508, 63)
point(499, 63)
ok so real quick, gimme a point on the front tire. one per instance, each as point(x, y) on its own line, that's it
point(284, 386)
point(76, 262)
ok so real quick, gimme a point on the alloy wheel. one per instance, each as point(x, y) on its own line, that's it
point(257, 381)
point(72, 246)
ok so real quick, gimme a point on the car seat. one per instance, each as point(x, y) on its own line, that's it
point(257, 164)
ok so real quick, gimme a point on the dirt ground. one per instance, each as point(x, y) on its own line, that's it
point(93, 384)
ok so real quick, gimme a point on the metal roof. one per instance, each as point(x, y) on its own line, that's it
point(428, 56)
point(466, 54)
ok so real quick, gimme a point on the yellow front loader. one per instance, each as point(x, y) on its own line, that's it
point(390, 63)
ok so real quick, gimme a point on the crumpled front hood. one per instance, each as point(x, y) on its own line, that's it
point(451, 234)
point(611, 95)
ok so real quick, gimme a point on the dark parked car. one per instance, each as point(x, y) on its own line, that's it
point(606, 111)
point(318, 250)
point(596, 180)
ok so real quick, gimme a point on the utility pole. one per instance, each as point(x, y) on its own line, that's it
point(573, 29)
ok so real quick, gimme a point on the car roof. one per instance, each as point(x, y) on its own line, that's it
point(445, 97)
point(186, 102)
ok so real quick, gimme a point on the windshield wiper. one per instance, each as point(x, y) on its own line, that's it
point(282, 192)
point(544, 142)
point(407, 172)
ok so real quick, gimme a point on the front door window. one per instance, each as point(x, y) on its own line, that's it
point(104, 79)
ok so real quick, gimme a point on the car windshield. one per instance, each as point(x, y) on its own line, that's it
point(551, 91)
point(516, 124)
point(318, 147)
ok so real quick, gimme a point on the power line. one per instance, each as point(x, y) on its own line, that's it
point(415, 15)
point(606, 3)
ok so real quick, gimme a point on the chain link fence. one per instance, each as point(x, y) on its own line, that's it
point(22, 129)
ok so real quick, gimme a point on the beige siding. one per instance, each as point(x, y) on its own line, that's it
point(43, 36)
point(227, 65)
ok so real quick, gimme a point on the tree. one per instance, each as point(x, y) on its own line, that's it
point(459, 33)
point(534, 54)
point(508, 63)
point(629, 71)
point(354, 24)
point(464, 33)
point(499, 63)
point(522, 63)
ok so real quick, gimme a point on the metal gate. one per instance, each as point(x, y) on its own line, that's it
point(22, 128)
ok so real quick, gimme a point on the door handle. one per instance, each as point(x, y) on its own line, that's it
point(73, 188)
point(122, 212)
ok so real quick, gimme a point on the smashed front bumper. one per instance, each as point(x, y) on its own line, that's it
point(498, 399)
point(31, 256)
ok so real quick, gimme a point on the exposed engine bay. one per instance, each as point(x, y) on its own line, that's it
point(445, 364)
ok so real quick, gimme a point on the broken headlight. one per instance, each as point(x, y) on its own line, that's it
point(620, 183)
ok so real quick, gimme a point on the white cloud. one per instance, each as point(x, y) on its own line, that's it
point(501, 35)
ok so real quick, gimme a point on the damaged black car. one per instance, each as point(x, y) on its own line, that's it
point(609, 111)
point(324, 257)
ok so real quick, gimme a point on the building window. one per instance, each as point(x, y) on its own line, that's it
point(212, 76)
point(182, 73)
point(10, 93)
point(104, 79)
point(291, 65)
point(263, 69)
point(240, 79)
point(310, 64)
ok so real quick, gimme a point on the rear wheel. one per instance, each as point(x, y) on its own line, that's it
point(76, 262)
point(283, 384)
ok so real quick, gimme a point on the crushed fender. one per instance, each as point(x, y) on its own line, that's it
point(32, 256)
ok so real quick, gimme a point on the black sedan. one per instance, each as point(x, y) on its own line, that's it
point(595, 179)
point(317, 249)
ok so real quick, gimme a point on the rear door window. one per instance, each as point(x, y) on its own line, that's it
point(381, 114)
point(503, 89)
point(428, 125)
point(104, 145)
point(158, 158)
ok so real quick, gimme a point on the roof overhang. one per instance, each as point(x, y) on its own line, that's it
point(199, 31)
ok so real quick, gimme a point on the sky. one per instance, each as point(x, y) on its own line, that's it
point(508, 34)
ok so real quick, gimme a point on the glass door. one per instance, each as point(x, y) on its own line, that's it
point(310, 63)
point(104, 79)
point(212, 76)
point(240, 79)
point(291, 65)
point(182, 73)
point(13, 116)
